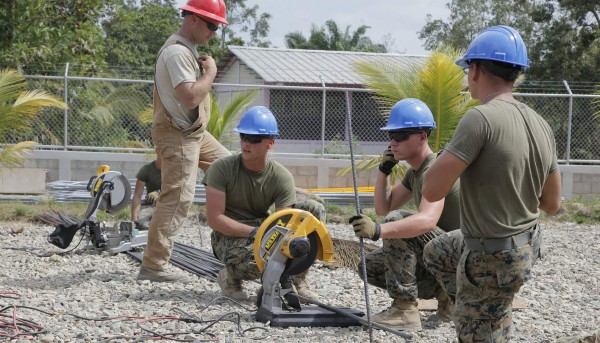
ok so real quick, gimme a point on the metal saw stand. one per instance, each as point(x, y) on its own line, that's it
point(120, 237)
point(313, 316)
point(272, 307)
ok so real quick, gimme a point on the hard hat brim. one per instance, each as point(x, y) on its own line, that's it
point(204, 14)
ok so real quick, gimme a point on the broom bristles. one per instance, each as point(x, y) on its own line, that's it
point(347, 253)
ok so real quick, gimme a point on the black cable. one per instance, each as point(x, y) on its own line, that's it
point(222, 318)
point(47, 254)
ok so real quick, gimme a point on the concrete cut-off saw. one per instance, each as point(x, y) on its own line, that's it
point(111, 192)
point(286, 244)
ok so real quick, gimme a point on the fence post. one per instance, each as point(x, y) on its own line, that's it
point(66, 97)
point(570, 123)
point(323, 117)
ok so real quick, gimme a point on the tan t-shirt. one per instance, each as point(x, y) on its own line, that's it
point(249, 195)
point(510, 151)
point(177, 64)
point(450, 217)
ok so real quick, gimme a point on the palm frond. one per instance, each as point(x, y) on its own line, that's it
point(12, 83)
point(145, 116)
point(20, 115)
point(15, 155)
point(397, 172)
point(37, 99)
point(218, 123)
point(388, 82)
point(215, 110)
point(18, 110)
point(440, 85)
point(101, 114)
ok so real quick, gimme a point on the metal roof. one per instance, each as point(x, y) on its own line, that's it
point(296, 66)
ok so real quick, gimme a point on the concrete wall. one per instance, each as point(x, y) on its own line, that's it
point(22, 181)
point(578, 181)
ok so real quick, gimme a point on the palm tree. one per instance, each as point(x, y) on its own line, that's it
point(439, 83)
point(18, 110)
point(330, 37)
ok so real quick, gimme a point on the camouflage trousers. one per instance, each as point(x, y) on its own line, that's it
point(482, 284)
point(237, 253)
point(398, 267)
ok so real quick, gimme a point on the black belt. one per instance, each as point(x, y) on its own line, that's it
point(500, 244)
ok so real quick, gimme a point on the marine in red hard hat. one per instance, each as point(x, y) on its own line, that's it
point(183, 79)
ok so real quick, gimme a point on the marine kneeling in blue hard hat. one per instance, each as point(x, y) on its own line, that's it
point(240, 189)
point(505, 155)
point(398, 266)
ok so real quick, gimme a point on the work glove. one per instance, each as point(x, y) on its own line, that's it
point(365, 227)
point(387, 161)
point(252, 234)
point(152, 197)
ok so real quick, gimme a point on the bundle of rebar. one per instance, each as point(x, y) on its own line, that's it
point(192, 259)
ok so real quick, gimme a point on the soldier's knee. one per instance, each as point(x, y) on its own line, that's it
point(428, 254)
point(396, 215)
point(314, 207)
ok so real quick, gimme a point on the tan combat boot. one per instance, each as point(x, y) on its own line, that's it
point(445, 306)
point(402, 315)
point(230, 287)
point(156, 275)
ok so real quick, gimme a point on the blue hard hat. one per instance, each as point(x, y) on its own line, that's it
point(258, 120)
point(409, 113)
point(497, 43)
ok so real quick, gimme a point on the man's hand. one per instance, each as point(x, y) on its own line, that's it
point(387, 161)
point(207, 63)
point(152, 197)
point(365, 227)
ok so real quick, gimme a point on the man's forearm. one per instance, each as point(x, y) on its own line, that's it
point(229, 227)
point(381, 196)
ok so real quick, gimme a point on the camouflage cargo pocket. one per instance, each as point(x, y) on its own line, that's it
point(513, 267)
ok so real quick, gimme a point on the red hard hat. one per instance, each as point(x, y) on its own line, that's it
point(209, 9)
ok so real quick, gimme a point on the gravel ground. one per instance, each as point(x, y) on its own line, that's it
point(562, 300)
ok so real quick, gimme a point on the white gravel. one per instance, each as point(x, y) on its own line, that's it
point(562, 300)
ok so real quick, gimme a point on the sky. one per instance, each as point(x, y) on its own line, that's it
point(401, 19)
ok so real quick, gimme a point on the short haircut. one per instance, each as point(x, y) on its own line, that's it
point(505, 71)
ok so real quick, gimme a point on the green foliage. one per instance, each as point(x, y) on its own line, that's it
point(18, 110)
point(562, 37)
point(136, 31)
point(220, 121)
point(22, 211)
point(339, 146)
point(39, 34)
point(579, 211)
point(329, 37)
point(246, 20)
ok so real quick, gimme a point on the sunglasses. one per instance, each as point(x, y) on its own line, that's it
point(252, 139)
point(401, 136)
point(212, 27)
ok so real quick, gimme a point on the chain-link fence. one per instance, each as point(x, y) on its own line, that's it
point(115, 114)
